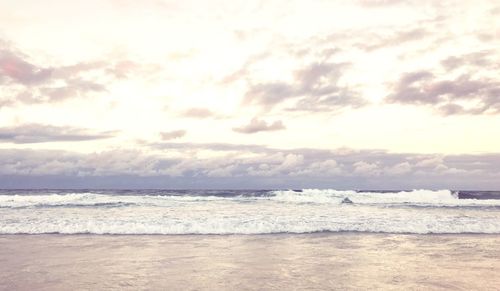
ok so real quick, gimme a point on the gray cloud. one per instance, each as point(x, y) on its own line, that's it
point(275, 168)
point(481, 59)
point(13, 67)
point(39, 133)
point(257, 125)
point(167, 135)
point(461, 84)
point(269, 94)
point(345, 162)
point(425, 88)
point(315, 88)
point(318, 86)
point(23, 81)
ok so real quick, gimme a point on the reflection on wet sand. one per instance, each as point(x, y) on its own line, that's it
point(249, 262)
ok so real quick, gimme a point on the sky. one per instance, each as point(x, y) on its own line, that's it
point(366, 94)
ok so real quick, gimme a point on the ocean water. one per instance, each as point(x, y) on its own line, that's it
point(247, 212)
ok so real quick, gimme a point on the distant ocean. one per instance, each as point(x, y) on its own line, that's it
point(247, 212)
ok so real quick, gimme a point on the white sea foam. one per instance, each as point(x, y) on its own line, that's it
point(91, 199)
point(245, 226)
point(328, 196)
point(310, 210)
point(415, 197)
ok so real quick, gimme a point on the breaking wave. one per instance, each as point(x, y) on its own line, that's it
point(328, 196)
point(415, 197)
point(247, 212)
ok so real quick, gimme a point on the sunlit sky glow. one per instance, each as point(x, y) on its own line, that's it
point(250, 94)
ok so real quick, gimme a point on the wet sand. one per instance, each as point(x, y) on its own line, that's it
point(250, 262)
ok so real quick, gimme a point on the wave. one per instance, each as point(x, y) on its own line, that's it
point(96, 200)
point(414, 197)
point(262, 212)
point(441, 198)
point(220, 227)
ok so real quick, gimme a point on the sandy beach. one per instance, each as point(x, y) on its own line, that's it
point(341, 261)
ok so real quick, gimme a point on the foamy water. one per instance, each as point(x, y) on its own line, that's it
point(247, 212)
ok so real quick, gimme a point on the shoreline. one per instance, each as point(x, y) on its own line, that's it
point(318, 233)
point(264, 235)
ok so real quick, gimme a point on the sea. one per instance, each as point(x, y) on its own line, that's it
point(226, 212)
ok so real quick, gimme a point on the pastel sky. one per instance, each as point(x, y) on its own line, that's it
point(381, 94)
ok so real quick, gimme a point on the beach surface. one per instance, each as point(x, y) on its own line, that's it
point(334, 261)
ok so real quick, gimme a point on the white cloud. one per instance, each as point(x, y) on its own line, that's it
point(323, 168)
point(399, 169)
point(289, 163)
point(366, 169)
point(305, 165)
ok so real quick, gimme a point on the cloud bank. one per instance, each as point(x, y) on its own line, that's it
point(266, 167)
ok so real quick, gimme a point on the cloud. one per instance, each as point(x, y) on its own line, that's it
point(220, 147)
point(226, 171)
point(253, 169)
point(244, 71)
point(408, 39)
point(56, 162)
point(366, 169)
point(449, 96)
point(257, 125)
point(14, 68)
point(381, 3)
point(315, 87)
point(399, 169)
point(200, 113)
point(24, 82)
point(459, 84)
point(476, 59)
point(495, 10)
point(434, 161)
point(269, 94)
point(287, 164)
point(40, 133)
point(326, 168)
point(168, 135)
point(395, 38)
point(261, 161)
